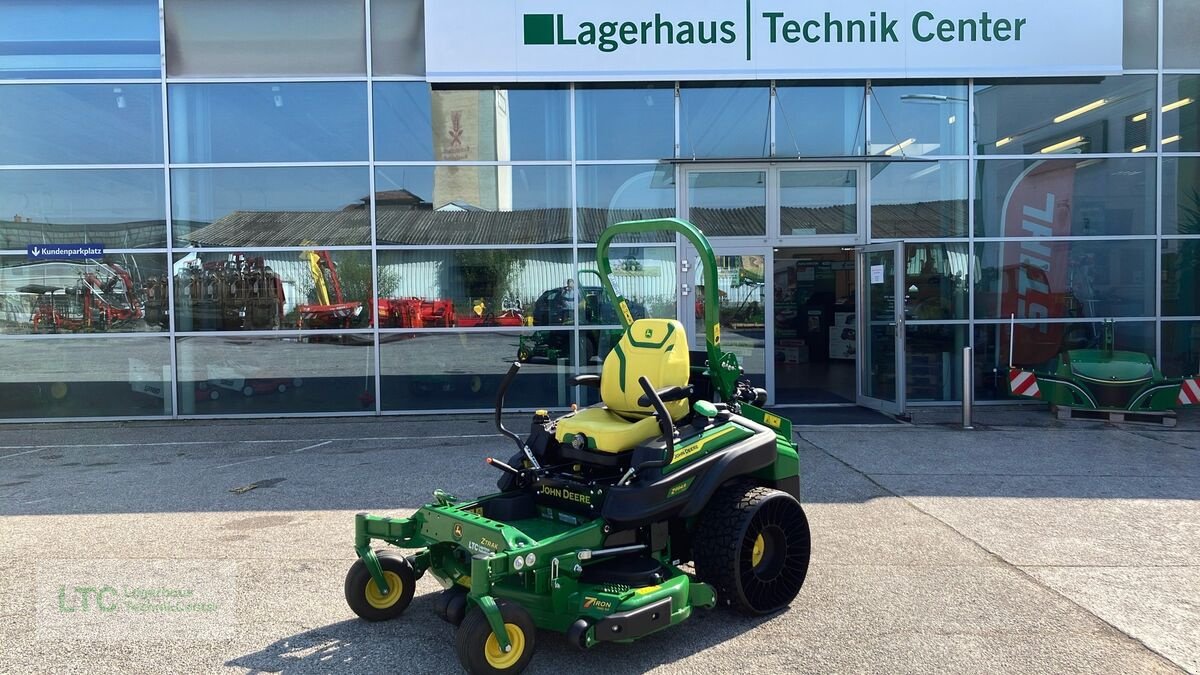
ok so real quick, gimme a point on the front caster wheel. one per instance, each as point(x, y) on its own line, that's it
point(479, 650)
point(368, 601)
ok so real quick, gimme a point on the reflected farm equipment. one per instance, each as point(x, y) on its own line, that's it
point(236, 294)
point(103, 298)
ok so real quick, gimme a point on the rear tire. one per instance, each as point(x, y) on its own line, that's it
point(752, 544)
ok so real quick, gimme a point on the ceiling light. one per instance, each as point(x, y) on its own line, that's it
point(1062, 145)
point(1140, 148)
point(1139, 117)
point(899, 146)
point(1178, 104)
point(953, 119)
point(1171, 139)
point(1080, 110)
point(925, 172)
point(1004, 141)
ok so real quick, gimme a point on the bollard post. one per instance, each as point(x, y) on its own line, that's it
point(968, 386)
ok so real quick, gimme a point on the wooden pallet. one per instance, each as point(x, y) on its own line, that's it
point(1164, 419)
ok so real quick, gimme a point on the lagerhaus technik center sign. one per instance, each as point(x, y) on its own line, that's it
point(558, 40)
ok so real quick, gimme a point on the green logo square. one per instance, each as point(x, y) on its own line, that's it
point(539, 29)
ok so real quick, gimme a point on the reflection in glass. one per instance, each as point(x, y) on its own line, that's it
point(76, 39)
point(231, 38)
point(1111, 114)
point(878, 368)
point(1181, 113)
point(476, 287)
point(296, 206)
point(81, 124)
point(918, 120)
point(822, 120)
point(724, 120)
point(268, 290)
point(1181, 277)
point(124, 377)
point(1065, 279)
point(448, 371)
point(398, 37)
point(1181, 348)
point(613, 193)
point(624, 122)
point(1181, 195)
point(1141, 34)
point(120, 292)
point(452, 205)
point(933, 362)
point(403, 121)
point(645, 277)
point(270, 122)
point(121, 208)
point(1091, 197)
point(919, 199)
point(815, 325)
point(742, 296)
point(818, 202)
point(935, 281)
point(1181, 24)
point(1037, 345)
point(264, 375)
point(728, 203)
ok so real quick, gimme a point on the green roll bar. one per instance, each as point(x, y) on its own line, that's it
point(723, 367)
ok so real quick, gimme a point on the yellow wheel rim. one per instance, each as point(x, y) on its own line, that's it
point(756, 554)
point(377, 599)
point(498, 658)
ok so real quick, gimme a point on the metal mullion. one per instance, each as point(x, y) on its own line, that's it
point(173, 356)
point(617, 162)
point(1075, 239)
point(281, 415)
point(396, 78)
point(269, 249)
point(456, 330)
point(972, 176)
point(477, 162)
point(264, 165)
point(122, 335)
point(375, 292)
point(1071, 157)
point(97, 81)
point(1158, 185)
point(460, 247)
point(83, 167)
point(278, 333)
point(59, 420)
point(1064, 320)
point(278, 79)
point(158, 251)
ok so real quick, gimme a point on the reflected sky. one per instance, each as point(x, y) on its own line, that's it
point(78, 39)
point(81, 124)
point(82, 196)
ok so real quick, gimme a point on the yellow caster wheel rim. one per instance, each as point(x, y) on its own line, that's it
point(377, 599)
point(498, 658)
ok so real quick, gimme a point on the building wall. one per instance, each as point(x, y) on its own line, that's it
point(268, 135)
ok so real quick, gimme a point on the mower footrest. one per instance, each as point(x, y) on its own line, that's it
point(634, 623)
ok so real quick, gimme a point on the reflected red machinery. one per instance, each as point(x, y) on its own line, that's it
point(103, 298)
point(330, 310)
point(416, 313)
point(481, 316)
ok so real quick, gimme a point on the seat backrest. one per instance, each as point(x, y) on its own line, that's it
point(655, 348)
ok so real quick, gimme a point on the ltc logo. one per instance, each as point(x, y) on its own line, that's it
point(458, 530)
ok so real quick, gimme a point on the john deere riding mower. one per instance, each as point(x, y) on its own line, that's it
point(614, 521)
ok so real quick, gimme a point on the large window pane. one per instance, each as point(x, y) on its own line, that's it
point(1110, 114)
point(818, 202)
point(933, 362)
point(450, 205)
point(81, 124)
point(1180, 348)
point(819, 120)
point(477, 287)
point(256, 38)
point(620, 122)
point(281, 122)
point(463, 371)
point(728, 203)
point(60, 39)
point(257, 375)
point(1181, 25)
point(1181, 113)
point(1036, 345)
point(1181, 195)
point(645, 277)
point(935, 281)
point(612, 193)
point(1064, 279)
point(1080, 197)
point(124, 377)
point(403, 121)
point(1141, 34)
point(295, 206)
point(121, 208)
point(117, 293)
point(918, 120)
point(724, 120)
point(267, 290)
point(398, 37)
point(1181, 277)
point(919, 199)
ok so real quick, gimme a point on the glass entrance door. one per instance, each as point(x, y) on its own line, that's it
point(743, 287)
point(881, 327)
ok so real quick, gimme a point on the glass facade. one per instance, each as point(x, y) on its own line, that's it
point(295, 222)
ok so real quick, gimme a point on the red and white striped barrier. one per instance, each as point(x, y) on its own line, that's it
point(1023, 383)
point(1189, 392)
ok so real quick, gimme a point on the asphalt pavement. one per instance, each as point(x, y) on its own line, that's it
point(1027, 545)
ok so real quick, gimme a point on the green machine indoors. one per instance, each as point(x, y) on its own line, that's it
point(600, 512)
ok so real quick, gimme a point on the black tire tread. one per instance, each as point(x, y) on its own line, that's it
point(358, 577)
point(474, 631)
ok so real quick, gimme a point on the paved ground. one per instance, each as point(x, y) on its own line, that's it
point(1025, 546)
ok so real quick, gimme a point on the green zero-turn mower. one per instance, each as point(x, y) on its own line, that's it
point(600, 510)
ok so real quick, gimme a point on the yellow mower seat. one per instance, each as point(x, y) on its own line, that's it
point(655, 348)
